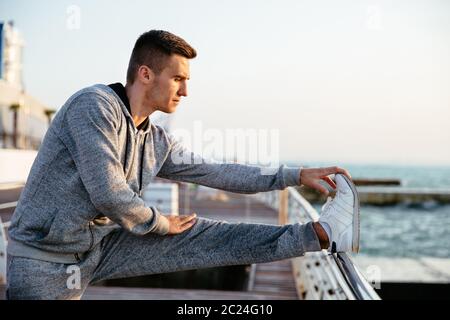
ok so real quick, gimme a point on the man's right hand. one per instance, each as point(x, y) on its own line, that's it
point(179, 224)
point(311, 176)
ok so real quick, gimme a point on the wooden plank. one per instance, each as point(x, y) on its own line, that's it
point(95, 293)
point(278, 268)
point(275, 278)
point(121, 293)
point(2, 292)
point(276, 290)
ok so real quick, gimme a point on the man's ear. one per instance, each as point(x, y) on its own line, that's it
point(145, 74)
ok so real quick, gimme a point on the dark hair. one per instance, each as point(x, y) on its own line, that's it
point(153, 48)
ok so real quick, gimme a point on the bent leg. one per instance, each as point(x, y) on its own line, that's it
point(30, 279)
point(208, 243)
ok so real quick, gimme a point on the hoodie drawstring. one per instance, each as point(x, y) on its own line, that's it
point(142, 164)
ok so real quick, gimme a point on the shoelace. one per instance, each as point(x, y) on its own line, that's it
point(325, 207)
point(330, 202)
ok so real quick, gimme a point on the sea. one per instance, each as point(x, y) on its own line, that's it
point(404, 231)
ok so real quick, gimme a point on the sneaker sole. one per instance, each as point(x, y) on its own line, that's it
point(356, 227)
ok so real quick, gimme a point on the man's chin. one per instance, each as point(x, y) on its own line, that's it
point(172, 109)
point(168, 111)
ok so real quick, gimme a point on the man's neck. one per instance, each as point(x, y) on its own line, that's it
point(139, 110)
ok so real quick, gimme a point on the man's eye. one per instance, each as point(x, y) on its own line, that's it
point(177, 79)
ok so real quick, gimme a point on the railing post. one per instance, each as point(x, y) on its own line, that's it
point(2, 254)
point(283, 207)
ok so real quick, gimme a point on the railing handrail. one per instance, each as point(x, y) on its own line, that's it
point(360, 287)
point(314, 216)
point(4, 241)
point(8, 205)
point(346, 273)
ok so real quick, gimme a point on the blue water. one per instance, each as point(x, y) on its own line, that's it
point(405, 230)
point(410, 176)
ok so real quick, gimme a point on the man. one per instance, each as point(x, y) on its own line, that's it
point(81, 207)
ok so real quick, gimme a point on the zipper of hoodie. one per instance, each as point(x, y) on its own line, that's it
point(92, 236)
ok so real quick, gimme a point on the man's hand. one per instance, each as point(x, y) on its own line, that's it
point(179, 224)
point(310, 177)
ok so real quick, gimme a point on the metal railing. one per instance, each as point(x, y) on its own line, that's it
point(319, 275)
point(3, 241)
point(8, 205)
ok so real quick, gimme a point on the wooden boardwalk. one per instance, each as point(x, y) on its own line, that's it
point(122, 293)
point(275, 278)
point(268, 281)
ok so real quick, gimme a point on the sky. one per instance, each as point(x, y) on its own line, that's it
point(338, 81)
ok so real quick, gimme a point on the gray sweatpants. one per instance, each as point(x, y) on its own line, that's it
point(208, 243)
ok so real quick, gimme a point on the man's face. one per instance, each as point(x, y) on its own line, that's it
point(170, 85)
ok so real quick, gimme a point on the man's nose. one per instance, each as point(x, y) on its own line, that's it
point(183, 92)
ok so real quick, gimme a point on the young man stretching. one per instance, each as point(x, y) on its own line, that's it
point(81, 205)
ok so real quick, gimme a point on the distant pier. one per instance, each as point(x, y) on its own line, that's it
point(393, 196)
point(385, 192)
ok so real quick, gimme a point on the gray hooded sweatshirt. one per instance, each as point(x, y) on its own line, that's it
point(89, 173)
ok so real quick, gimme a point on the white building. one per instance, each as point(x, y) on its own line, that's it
point(11, 49)
point(29, 115)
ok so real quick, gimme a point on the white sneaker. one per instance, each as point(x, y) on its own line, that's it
point(342, 216)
